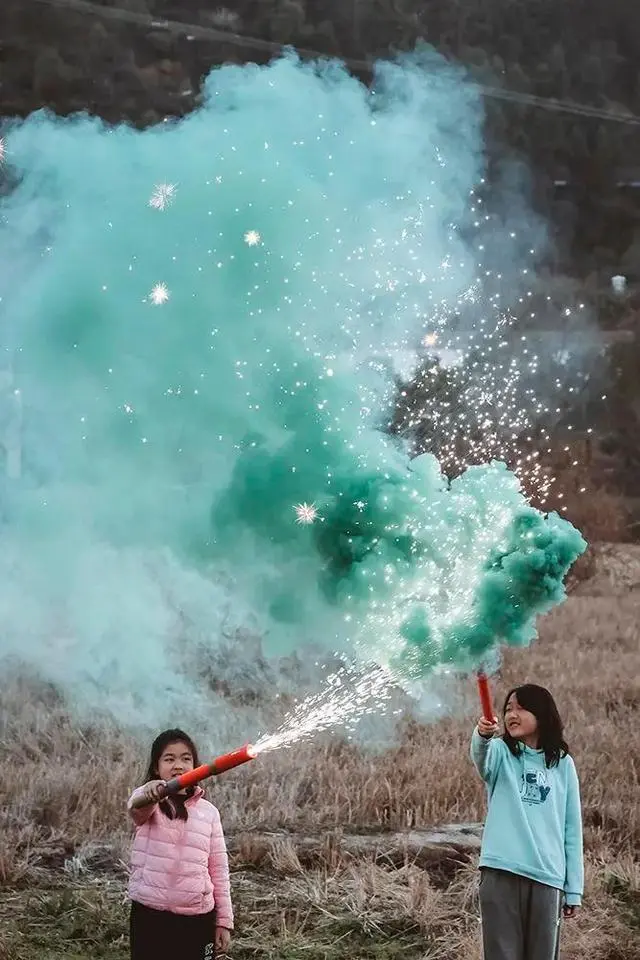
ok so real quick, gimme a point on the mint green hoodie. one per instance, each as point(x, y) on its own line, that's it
point(534, 822)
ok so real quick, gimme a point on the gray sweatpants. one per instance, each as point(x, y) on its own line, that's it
point(520, 917)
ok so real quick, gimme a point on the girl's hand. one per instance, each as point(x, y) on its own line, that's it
point(223, 939)
point(488, 729)
point(569, 911)
point(154, 791)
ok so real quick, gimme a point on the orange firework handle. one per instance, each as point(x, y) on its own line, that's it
point(189, 779)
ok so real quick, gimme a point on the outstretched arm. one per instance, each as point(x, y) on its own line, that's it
point(149, 792)
point(486, 752)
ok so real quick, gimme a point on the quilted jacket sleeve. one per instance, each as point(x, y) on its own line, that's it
point(219, 873)
point(142, 814)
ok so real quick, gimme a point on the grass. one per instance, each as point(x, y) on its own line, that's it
point(64, 839)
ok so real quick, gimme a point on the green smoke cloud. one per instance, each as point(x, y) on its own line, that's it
point(202, 322)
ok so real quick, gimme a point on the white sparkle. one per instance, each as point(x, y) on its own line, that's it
point(163, 194)
point(306, 513)
point(252, 238)
point(159, 294)
point(348, 695)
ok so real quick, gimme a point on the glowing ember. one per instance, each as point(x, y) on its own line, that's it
point(159, 294)
point(306, 513)
point(162, 196)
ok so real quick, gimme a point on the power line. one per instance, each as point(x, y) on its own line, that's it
point(195, 32)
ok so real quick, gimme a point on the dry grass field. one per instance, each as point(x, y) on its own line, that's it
point(302, 889)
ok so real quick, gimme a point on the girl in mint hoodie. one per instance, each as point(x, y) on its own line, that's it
point(531, 858)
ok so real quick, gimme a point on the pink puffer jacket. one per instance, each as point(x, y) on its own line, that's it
point(181, 865)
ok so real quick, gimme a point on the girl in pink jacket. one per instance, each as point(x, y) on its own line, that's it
point(179, 879)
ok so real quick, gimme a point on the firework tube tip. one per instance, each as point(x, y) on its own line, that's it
point(234, 758)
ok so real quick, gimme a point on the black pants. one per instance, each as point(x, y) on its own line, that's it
point(156, 934)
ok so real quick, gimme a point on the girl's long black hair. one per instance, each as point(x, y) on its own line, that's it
point(538, 701)
point(172, 807)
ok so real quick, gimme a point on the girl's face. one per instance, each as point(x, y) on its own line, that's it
point(174, 760)
point(520, 723)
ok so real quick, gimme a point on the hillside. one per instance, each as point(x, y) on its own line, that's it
point(62, 54)
point(147, 66)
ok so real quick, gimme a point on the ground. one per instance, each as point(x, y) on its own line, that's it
point(332, 849)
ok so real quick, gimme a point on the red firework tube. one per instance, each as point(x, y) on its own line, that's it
point(485, 697)
point(220, 765)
